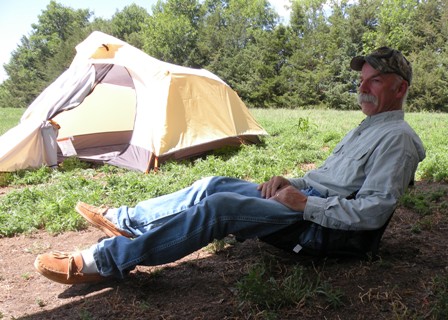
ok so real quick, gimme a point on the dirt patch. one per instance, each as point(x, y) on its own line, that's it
point(204, 285)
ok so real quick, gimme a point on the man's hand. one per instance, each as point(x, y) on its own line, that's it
point(280, 189)
point(271, 187)
point(292, 198)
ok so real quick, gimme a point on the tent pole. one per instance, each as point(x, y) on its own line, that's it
point(153, 163)
point(150, 163)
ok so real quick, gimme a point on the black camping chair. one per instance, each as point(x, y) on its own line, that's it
point(305, 237)
point(309, 238)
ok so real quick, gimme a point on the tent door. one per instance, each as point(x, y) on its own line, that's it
point(101, 127)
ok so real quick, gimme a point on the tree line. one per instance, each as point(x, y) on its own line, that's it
point(271, 64)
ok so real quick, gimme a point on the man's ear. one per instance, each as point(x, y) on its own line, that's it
point(402, 89)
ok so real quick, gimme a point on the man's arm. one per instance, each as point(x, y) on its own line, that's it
point(389, 170)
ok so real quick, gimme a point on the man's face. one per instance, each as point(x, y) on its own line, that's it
point(379, 92)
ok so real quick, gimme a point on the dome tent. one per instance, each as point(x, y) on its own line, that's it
point(117, 105)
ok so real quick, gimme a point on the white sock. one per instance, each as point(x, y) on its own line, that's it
point(111, 215)
point(89, 264)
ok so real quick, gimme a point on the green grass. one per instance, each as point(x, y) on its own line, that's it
point(298, 140)
point(44, 199)
point(439, 298)
point(9, 117)
point(267, 286)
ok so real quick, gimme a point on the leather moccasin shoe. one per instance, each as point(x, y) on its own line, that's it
point(96, 217)
point(65, 268)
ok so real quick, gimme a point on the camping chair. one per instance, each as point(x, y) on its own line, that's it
point(309, 238)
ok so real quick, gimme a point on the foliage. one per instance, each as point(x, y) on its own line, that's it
point(172, 31)
point(44, 54)
point(394, 19)
point(430, 84)
point(129, 23)
point(235, 41)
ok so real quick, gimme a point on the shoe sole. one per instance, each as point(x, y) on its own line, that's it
point(104, 228)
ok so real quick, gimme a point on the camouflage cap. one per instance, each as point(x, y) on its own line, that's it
point(385, 60)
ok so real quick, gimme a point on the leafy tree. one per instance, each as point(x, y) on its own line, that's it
point(394, 26)
point(6, 100)
point(304, 73)
point(339, 48)
point(129, 24)
point(429, 89)
point(33, 66)
point(360, 19)
point(236, 43)
point(304, 63)
point(172, 30)
point(99, 24)
point(430, 29)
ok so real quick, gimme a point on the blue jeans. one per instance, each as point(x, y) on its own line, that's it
point(172, 226)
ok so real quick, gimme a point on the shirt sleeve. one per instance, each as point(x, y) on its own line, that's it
point(298, 183)
point(389, 170)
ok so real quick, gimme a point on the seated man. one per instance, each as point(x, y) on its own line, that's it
point(356, 189)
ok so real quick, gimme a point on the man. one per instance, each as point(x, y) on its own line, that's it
point(354, 192)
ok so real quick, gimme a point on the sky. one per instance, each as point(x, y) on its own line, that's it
point(16, 17)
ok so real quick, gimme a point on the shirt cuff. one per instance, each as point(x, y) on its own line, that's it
point(314, 209)
point(315, 212)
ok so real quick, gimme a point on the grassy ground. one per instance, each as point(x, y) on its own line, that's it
point(9, 117)
point(36, 200)
point(298, 140)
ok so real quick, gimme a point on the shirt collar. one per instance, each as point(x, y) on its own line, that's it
point(383, 116)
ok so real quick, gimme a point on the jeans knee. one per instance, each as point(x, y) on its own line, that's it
point(208, 180)
point(217, 180)
point(210, 183)
point(221, 202)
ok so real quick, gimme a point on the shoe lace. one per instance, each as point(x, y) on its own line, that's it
point(71, 259)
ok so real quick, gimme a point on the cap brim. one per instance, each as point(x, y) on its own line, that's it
point(357, 63)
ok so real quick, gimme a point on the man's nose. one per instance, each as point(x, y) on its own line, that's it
point(363, 87)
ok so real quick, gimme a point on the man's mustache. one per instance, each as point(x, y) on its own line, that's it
point(364, 97)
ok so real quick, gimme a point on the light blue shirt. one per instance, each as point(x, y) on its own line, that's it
point(378, 160)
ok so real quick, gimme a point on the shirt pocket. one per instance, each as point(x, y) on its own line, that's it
point(338, 148)
point(349, 164)
point(358, 154)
